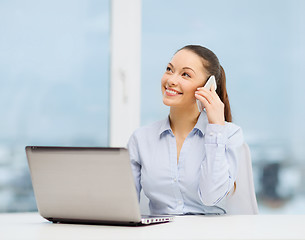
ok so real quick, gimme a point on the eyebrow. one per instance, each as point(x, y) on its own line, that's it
point(189, 69)
point(182, 68)
point(171, 65)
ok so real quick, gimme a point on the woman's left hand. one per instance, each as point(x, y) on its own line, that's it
point(213, 105)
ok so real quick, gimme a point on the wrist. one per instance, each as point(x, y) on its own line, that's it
point(216, 133)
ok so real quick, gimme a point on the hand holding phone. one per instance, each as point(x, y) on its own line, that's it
point(210, 82)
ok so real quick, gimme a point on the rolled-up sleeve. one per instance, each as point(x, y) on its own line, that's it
point(219, 167)
point(135, 162)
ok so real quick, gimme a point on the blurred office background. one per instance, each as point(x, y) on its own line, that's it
point(55, 77)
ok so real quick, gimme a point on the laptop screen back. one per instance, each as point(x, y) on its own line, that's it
point(83, 183)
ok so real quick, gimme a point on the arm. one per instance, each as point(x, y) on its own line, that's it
point(219, 168)
point(135, 163)
point(222, 143)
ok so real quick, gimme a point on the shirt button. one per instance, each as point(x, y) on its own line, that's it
point(219, 134)
point(211, 133)
point(175, 179)
point(179, 202)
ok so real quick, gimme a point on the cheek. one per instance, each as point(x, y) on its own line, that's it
point(163, 80)
point(189, 89)
point(163, 83)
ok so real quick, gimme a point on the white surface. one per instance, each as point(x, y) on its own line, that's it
point(32, 226)
point(125, 70)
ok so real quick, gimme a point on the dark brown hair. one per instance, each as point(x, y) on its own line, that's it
point(212, 67)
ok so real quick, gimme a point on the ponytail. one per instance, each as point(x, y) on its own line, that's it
point(223, 95)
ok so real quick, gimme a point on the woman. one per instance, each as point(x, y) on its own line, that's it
point(187, 163)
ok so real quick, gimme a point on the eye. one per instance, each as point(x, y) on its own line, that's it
point(186, 75)
point(168, 69)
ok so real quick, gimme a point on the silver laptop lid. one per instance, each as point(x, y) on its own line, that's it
point(83, 183)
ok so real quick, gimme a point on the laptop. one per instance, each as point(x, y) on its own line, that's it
point(90, 185)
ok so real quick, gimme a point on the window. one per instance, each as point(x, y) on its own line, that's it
point(54, 75)
point(55, 88)
point(260, 44)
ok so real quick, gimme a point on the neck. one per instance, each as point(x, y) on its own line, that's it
point(183, 120)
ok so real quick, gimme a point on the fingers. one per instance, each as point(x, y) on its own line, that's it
point(205, 93)
point(213, 88)
point(213, 105)
point(202, 99)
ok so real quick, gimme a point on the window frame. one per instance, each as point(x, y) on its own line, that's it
point(125, 72)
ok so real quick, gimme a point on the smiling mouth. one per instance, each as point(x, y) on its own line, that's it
point(172, 92)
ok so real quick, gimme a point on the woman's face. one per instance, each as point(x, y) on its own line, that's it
point(183, 75)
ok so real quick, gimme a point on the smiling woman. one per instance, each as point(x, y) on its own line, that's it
point(259, 70)
point(181, 80)
point(187, 163)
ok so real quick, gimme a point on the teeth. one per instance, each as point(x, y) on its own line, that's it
point(171, 92)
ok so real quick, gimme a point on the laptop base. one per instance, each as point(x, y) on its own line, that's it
point(112, 223)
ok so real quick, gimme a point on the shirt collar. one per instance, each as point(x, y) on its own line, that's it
point(200, 125)
point(165, 126)
point(202, 122)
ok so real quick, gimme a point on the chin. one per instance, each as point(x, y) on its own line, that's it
point(169, 103)
point(166, 102)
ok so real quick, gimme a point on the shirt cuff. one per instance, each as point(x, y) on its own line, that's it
point(216, 134)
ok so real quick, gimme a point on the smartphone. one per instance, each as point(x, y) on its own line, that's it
point(210, 82)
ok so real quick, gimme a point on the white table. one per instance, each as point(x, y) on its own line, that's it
point(32, 226)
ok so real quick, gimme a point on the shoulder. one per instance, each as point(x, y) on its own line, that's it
point(150, 129)
point(144, 138)
point(144, 133)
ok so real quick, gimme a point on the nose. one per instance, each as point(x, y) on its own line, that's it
point(172, 80)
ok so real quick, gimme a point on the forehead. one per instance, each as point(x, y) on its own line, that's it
point(187, 58)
